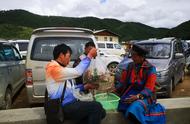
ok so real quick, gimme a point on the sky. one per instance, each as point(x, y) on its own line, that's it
point(155, 13)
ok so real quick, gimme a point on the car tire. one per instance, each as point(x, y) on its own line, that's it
point(112, 66)
point(170, 89)
point(8, 99)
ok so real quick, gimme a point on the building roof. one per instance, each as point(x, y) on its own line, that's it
point(104, 30)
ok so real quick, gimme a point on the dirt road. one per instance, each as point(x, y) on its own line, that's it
point(183, 89)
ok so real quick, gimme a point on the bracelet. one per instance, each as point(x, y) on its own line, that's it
point(140, 96)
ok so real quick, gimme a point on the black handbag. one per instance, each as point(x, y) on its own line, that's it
point(53, 108)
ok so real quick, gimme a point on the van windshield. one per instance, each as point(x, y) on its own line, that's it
point(42, 49)
point(157, 50)
point(109, 45)
point(117, 46)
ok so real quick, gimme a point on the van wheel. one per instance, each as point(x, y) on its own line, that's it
point(8, 99)
point(112, 66)
point(170, 89)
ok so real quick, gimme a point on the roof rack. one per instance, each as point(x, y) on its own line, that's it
point(62, 28)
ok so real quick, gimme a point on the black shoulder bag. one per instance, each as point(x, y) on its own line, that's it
point(53, 108)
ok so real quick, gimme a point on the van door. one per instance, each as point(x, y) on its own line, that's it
point(179, 62)
point(110, 48)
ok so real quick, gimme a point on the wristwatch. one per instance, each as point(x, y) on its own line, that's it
point(140, 96)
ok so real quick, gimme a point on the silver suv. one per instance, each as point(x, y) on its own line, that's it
point(40, 52)
point(12, 76)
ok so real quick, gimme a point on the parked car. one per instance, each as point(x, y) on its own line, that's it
point(111, 47)
point(110, 60)
point(21, 45)
point(40, 52)
point(12, 73)
point(167, 56)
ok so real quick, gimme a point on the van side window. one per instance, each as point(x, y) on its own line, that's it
point(101, 45)
point(109, 45)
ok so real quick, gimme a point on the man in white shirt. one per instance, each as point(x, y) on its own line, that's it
point(87, 112)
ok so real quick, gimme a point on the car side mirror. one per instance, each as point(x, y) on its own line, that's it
point(178, 55)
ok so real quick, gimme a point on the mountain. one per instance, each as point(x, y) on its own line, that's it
point(21, 19)
point(181, 31)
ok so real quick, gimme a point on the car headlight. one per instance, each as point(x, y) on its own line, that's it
point(162, 73)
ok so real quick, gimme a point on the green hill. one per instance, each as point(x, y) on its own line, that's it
point(20, 23)
point(9, 31)
point(181, 31)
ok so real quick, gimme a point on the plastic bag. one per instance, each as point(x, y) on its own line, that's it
point(98, 73)
point(82, 96)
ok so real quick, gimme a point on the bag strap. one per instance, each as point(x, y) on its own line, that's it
point(62, 96)
point(63, 93)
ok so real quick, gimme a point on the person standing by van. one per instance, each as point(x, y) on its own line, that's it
point(88, 47)
point(87, 112)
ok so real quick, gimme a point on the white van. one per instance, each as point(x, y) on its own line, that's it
point(40, 52)
point(111, 47)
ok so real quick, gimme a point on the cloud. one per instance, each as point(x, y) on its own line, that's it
point(157, 13)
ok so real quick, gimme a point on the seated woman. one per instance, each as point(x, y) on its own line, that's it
point(136, 89)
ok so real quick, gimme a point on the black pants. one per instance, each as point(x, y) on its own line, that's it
point(85, 112)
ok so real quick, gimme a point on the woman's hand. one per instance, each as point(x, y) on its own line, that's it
point(131, 99)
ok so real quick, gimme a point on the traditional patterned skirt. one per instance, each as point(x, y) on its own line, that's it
point(146, 111)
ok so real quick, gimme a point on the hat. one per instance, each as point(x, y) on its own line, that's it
point(139, 50)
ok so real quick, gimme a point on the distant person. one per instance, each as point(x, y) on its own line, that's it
point(88, 47)
point(136, 89)
point(57, 74)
